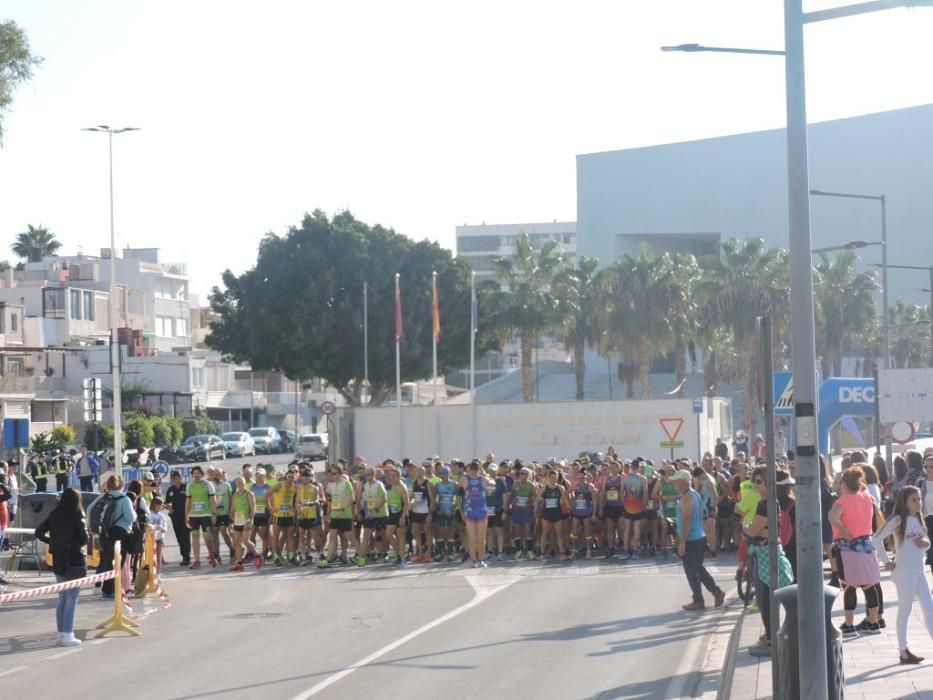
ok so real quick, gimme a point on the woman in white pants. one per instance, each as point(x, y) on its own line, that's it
point(911, 541)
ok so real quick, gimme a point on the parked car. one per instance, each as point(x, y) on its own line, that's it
point(267, 440)
point(312, 446)
point(287, 440)
point(239, 444)
point(200, 448)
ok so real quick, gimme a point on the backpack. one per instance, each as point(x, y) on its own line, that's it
point(107, 513)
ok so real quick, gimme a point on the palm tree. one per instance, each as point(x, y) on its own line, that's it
point(35, 243)
point(642, 317)
point(743, 283)
point(525, 305)
point(910, 335)
point(579, 292)
point(683, 313)
point(845, 308)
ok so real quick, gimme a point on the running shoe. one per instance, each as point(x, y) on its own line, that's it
point(323, 564)
point(400, 562)
point(530, 555)
point(719, 597)
point(258, 562)
point(196, 564)
point(277, 560)
point(519, 555)
point(870, 628)
point(848, 631)
point(212, 558)
point(451, 557)
point(360, 561)
point(625, 556)
point(483, 564)
point(237, 567)
point(293, 561)
point(499, 557)
point(760, 650)
point(693, 606)
point(636, 554)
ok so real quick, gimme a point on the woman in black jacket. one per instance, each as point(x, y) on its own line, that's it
point(65, 531)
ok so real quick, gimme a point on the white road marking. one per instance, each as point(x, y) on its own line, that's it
point(63, 653)
point(689, 661)
point(484, 587)
point(13, 670)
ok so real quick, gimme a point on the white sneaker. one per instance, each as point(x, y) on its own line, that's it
point(69, 640)
point(482, 563)
point(58, 638)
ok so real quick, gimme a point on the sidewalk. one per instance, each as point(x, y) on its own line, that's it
point(872, 670)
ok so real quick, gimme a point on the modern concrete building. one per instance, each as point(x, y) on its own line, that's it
point(688, 196)
point(480, 245)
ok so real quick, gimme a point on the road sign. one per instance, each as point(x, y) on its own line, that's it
point(903, 432)
point(15, 433)
point(671, 444)
point(698, 404)
point(328, 407)
point(671, 427)
point(783, 383)
point(160, 467)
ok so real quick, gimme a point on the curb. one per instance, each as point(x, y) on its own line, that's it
point(728, 668)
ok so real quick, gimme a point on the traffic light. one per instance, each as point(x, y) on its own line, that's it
point(93, 402)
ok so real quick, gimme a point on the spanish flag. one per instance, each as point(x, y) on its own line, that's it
point(435, 312)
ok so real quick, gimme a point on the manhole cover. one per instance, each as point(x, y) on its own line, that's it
point(256, 615)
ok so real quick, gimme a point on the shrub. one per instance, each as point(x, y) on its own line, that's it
point(137, 432)
point(99, 439)
point(62, 436)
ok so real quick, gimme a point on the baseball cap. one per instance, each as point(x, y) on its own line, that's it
point(445, 469)
point(681, 475)
point(148, 476)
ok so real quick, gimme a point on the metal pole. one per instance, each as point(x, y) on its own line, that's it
point(609, 373)
point(398, 381)
point(114, 332)
point(473, 324)
point(877, 402)
point(884, 310)
point(767, 371)
point(931, 315)
point(437, 415)
point(365, 336)
point(811, 624)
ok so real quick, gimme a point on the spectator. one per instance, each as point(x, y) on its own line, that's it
point(780, 445)
point(851, 517)
point(116, 526)
point(926, 495)
point(871, 483)
point(882, 468)
point(721, 450)
point(159, 527)
point(914, 468)
point(175, 499)
point(5, 497)
point(87, 468)
point(65, 531)
point(691, 545)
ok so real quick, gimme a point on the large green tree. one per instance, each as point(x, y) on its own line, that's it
point(844, 309)
point(35, 243)
point(742, 283)
point(525, 304)
point(300, 309)
point(16, 64)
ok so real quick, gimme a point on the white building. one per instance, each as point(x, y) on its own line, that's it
point(480, 245)
point(689, 196)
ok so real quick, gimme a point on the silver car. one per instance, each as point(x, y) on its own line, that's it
point(266, 440)
point(239, 444)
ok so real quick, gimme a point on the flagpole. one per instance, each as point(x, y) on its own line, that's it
point(365, 338)
point(473, 322)
point(398, 367)
point(435, 330)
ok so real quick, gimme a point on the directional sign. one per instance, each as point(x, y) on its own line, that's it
point(698, 405)
point(671, 427)
point(671, 444)
point(328, 407)
point(160, 467)
point(783, 394)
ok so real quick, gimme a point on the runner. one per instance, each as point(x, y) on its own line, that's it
point(374, 497)
point(475, 512)
point(200, 513)
point(610, 508)
point(340, 512)
point(634, 500)
point(668, 508)
point(445, 516)
point(281, 501)
point(243, 504)
point(652, 508)
point(495, 505)
point(421, 503)
point(222, 493)
point(310, 531)
point(399, 505)
point(553, 498)
point(583, 513)
point(523, 515)
point(259, 490)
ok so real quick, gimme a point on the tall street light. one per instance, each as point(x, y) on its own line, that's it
point(114, 333)
point(810, 626)
point(851, 245)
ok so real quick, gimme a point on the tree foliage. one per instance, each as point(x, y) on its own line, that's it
point(35, 243)
point(16, 64)
point(300, 311)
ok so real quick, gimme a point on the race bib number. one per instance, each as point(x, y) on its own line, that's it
point(521, 501)
point(198, 506)
point(612, 495)
point(580, 504)
point(239, 519)
point(285, 508)
point(260, 507)
point(551, 502)
point(651, 505)
point(418, 496)
point(372, 505)
point(394, 508)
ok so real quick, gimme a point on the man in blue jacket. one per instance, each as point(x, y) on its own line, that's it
point(87, 468)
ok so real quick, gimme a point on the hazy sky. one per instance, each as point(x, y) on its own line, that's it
point(416, 115)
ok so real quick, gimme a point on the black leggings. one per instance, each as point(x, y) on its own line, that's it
point(763, 601)
point(873, 598)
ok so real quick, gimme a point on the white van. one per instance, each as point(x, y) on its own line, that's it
point(312, 446)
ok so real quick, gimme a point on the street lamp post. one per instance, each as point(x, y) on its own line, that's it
point(114, 332)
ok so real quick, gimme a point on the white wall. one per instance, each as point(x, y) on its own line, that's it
point(532, 431)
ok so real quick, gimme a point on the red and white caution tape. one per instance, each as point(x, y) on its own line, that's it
point(56, 587)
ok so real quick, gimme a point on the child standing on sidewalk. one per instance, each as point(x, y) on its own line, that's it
point(159, 525)
point(911, 541)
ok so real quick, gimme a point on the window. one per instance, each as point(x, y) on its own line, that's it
point(163, 326)
point(14, 322)
point(181, 327)
point(88, 306)
point(475, 244)
point(75, 297)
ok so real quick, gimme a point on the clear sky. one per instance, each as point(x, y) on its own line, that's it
point(420, 115)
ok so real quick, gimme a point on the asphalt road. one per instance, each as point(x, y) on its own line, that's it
point(600, 629)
